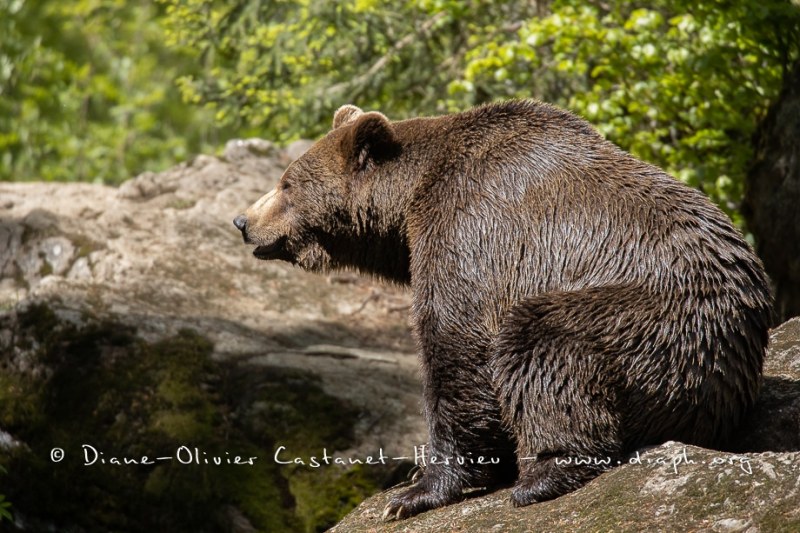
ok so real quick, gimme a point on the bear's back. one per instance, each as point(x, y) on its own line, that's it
point(557, 207)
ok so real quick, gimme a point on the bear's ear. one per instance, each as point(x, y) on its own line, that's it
point(370, 139)
point(345, 114)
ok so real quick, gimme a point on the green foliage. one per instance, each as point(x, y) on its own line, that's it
point(87, 92)
point(282, 68)
point(104, 89)
point(679, 84)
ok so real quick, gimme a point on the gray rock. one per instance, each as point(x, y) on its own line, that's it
point(238, 149)
point(161, 254)
point(142, 187)
point(672, 487)
point(774, 424)
point(58, 253)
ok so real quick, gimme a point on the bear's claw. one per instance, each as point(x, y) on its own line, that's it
point(418, 499)
point(389, 512)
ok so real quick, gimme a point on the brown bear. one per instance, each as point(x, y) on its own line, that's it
point(571, 303)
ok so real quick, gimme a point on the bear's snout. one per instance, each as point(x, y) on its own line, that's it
point(241, 224)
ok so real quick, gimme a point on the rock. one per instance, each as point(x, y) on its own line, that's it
point(669, 488)
point(291, 358)
point(295, 150)
point(774, 424)
point(135, 318)
point(142, 187)
point(239, 149)
point(672, 487)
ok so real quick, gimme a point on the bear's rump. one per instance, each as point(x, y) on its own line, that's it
point(668, 372)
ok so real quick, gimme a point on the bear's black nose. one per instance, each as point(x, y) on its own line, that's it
point(241, 223)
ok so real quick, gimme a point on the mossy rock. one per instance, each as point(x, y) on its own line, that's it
point(100, 385)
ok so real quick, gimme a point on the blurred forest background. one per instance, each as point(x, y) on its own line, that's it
point(101, 90)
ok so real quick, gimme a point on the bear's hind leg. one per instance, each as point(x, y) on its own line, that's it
point(546, 478)
point(559, 391)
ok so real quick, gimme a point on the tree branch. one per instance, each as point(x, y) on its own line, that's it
point(384, 60)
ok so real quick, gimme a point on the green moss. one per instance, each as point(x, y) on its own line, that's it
point(46, 269)
point(182, 203)
point(19, 401)
point(261, 492)
point(782, 519)
point(38, 320)
point(19, 279)
point(105, 387)
point(325, 495)
point(84, 245)
point(29, 233)
point(289, 408)
point(178, 426)
point(294, 407)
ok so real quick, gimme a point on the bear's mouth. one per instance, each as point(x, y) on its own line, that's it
point(273, 250)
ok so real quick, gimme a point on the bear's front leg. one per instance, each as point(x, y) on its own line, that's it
point(468, 447)
point(433, 490)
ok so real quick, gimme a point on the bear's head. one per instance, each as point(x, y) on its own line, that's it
point(325, 212)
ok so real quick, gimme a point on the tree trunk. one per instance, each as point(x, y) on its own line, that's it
point(772, 194)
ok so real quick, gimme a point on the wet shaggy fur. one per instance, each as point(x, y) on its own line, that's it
point(569, 300)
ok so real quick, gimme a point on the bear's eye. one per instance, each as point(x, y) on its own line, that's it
point(284, 185)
